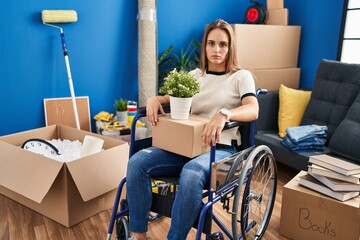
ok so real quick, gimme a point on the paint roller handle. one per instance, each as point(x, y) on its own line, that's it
point(64, 43)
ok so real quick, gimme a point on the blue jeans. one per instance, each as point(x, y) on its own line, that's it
point(299, 133)
point(152, 162)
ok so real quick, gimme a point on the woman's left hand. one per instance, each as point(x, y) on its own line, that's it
point(212, 131)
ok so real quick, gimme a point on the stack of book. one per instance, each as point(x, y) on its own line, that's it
point(333, 177)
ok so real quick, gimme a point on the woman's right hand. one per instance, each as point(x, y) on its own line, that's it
point(153, 107)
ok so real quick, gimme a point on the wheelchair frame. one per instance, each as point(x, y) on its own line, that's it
point(256, 156)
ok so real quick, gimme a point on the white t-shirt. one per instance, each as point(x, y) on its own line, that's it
point(220, 90)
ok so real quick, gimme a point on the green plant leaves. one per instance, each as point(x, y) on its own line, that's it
point(180, 84)
point(120, 105)
point(188, 60)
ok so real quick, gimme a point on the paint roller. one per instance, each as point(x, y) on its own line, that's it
point(63, 16)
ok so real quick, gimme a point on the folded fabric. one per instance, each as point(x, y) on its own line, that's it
point(300, 133)
point(305, 138)
point(317, 148)
point(307, 142)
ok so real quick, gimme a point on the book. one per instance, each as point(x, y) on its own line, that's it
point(320, 171)
point(335, 164)
point(311, 183)
point(337, 185)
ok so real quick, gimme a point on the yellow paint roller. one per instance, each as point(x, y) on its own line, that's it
point(63, 16)
point(59, 16)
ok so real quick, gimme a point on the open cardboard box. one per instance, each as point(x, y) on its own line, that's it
point(65, 192)
point(306, 214)
point(180, 136)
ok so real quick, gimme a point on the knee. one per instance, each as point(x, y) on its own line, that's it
point(193, 174)
point(134, 164)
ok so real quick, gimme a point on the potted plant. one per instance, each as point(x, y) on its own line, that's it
point(121, 109)
point(187, 60)
point(181, 86)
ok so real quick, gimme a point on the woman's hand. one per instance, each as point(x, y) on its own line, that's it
point(212, 131)
point(153, 107)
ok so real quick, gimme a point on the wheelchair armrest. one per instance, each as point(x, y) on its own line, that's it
point(229, 125)
point(142, 110)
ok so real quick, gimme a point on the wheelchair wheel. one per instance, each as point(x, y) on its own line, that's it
point(258, 195)
point(122, 229)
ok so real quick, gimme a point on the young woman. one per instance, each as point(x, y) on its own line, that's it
point(226, 93)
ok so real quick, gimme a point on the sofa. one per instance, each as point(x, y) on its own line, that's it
point(334, 101)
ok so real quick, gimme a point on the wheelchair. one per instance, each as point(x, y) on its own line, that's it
point(244, 183)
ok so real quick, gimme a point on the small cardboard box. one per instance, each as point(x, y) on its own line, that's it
point(267, 46)
point(278, 17)
point(306, 214)
point(274, 4)
point(180, 136)
point(65, 192)
point(271, 79)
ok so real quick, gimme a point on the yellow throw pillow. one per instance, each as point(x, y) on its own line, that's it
point(292, 104)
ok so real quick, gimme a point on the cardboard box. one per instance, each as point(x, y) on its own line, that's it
point(274, 4)
point(267, 46)
point(306, 214)
point(180, 136)
point(65, 192)
point(278, 17)
point(271, 79)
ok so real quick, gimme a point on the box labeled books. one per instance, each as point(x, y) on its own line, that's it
point(306, 214)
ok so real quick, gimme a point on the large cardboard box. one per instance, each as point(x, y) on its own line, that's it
point(180, 136)
point(267, 46)
point(65, 192)
point(271, 79)
point(306, 214)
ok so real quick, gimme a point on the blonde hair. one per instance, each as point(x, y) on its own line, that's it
point(231, 61)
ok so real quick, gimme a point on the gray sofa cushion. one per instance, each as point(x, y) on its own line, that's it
point(345, 140)
point(335, 89)
point(268, 111)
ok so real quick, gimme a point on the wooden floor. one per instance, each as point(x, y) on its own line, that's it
point(18, 222)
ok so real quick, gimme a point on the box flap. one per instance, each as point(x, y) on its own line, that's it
point(99, 173)
point(17, 139)
point(27, 173)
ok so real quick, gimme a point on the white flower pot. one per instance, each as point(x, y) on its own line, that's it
point(180, 107)
point(121, 116)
